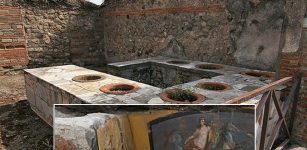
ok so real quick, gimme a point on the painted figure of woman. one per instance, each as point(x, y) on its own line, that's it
point(199, 139)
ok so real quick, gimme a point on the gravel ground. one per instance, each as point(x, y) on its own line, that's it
point(12, 89)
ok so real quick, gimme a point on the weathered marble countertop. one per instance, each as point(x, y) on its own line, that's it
point(240, 84)
point(229, 75)
point(88, 92)
point(164, 61)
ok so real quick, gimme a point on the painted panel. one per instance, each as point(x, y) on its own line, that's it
point(223, 130)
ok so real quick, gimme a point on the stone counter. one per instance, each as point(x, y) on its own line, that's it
point(191, 65)
point(239, 84)
point(187, 76)
point(54, 85)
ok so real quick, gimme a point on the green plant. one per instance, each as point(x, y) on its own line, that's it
point(180, 77)
point(182, 95)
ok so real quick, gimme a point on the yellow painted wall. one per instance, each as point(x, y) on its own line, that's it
point(128, 131)
point(140, 129)
point(115, 134)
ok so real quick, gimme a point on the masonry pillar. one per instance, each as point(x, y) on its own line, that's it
point(293, 59)
point(300, 122)
point(13, 53)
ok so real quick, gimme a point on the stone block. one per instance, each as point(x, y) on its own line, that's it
point(30, 94)
point(41, 91)
point(54, 85)
point(19, 26)
point(80, 131)
point(6, 40)
point(44, 109)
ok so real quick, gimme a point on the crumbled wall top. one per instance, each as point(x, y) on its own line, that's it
point(74, 3)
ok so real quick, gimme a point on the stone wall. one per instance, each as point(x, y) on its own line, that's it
point(292, 59)
point(13, 53)
point(243, 33)
point(58, 34)
point(159, 75)
point(62, 35)
point(42, 96)
point(300, 122)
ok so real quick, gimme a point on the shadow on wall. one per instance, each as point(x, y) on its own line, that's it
point(234, 32)
point(59, 34)
point(257, 39)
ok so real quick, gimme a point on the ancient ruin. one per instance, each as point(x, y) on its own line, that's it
point(156, 52)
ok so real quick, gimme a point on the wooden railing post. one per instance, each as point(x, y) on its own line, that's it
point(265, 106)
point(296, 85)
point(264, 124)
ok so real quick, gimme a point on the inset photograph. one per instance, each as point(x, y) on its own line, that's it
point(155, 127)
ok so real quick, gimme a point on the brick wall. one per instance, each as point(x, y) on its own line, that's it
point(56, 34)
point(63, 35)
point(13, 52)
point(289, 64)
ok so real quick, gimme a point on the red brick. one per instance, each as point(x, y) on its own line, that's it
point(13, 50)
point(301, 115)
point(302, 104)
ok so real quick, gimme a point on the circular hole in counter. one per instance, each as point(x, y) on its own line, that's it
point(258, 74)
point(119, 89)
point(179, 96)
point(88, 78)
point(214, 86)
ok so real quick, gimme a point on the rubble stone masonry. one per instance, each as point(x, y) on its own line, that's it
point(292, 60)
point(234, 32)
point(56, 34)
point(245, 33)
point(300, 122)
